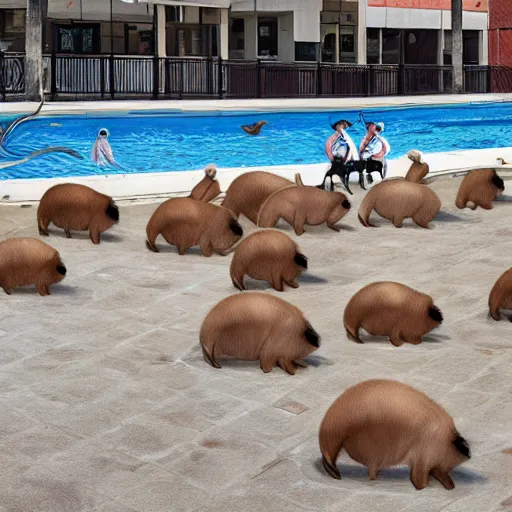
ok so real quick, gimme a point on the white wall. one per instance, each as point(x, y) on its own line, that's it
point(286, 44)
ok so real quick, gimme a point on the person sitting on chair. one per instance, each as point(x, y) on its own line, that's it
point(340, 150)
point(373, 149)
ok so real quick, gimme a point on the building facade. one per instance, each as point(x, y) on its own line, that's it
point(500, 33)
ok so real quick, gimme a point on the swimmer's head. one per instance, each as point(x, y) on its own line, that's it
point(103, 133)
point(342, 123)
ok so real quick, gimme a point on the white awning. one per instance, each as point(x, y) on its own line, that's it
point(219, 4)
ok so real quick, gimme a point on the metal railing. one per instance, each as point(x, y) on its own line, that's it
point(69, 77)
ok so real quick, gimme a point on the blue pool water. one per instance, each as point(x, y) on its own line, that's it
point(156, 142)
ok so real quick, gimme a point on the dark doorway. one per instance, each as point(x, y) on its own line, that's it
point(420, 46)
point(267, 37)
point(470, 49)
point(83, 38)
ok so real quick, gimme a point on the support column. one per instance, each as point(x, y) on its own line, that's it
point(483, 48)
point(36, 10)
point(161, 32)
point(361, 31)
point(337, 47)
point(224, 34)
point(457, 42)
point(440, 47)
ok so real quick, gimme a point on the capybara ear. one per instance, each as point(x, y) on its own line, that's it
point(346, 204)
point(61, 269)
point(113, 212)
point(298, 180)
point(462, 446)
point(435, 313)
point(498, 182)
point(301, 260)
point(236, 228)
point(312, 337)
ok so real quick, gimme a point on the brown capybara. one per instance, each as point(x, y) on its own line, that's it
point(501, 295)
point(418, 169)
point(480, 188)
point(74, 207)
point(391, 309)
point(399, 199)
point(185, 222)
point(28, 261)
point(254, 129)
point(258, 326)
point(208, 188)
point(247, 192)
point(299, 205)
point(268, 256)
point(384, 423)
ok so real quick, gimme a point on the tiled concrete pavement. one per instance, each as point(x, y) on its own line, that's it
point(107, 405)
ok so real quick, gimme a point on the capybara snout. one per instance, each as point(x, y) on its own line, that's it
point(500, 184)
point(312, 337)
point(301, 260)
point(61, 269)
point(236, 228)
point(435, 313)
point(462, 446)
point(113, 212)
point(346, 204)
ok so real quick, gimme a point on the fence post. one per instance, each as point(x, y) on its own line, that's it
point(401, 79)
point(258, 85)
point(182, 72)
point(489, 79)
point(53, 75)
point(2, 76)
point(319, 79)
point(111, 77)
point(220, 76)
point(156, 76)
point(102, 77)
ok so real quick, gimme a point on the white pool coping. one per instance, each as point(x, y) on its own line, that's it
point(153, 186)
point(301, 104)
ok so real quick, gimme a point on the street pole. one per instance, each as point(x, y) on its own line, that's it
point(36, 10)
point(457, 47)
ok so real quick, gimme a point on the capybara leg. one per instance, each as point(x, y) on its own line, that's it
point(419, 477)
point(287, 366)
point(331, 469)
point(277, 282)
point(94, 236)
point(398, 222)
point(353, 338)
point(207, 249)
point(209, 358)
point(373, 472)
point(486, 205)
point(152, 246)
point(182, 249)
point(292, 283)
point(8, 291)
point(43, 232)
point(42, 290)
point(68, 233)
point(396, 339)
point(42, 225)
point(300, 363)
point(415, 341)
point(421, 223)
point(298, 223)
point(443, 478)
point(266, 365)
point(333, 227)
point(238, 282)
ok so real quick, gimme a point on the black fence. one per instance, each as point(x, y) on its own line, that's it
point(70, 77)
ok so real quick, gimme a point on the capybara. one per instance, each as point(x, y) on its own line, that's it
point(299, 205)
point(268, 256)
point(418, 169)
point(501, 295)
point(391, 309)
point(254, 129)
point(74, 207)
point(399, 199)
point(185, 222)
point(208, 188)
point(248, 191)
point(384, 423)
point(28, 261)
point(258, 326)
point(480, 188)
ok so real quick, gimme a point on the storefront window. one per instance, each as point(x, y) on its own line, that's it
point(373, 46)
point(78, 38)
point(347, 45)
point(267, 37)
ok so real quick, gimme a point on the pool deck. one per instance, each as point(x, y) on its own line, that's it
point(108, 107)
point(108, 406)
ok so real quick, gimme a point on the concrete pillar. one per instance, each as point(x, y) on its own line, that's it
point(483, 48)
point(361, 31)
point(224, 33)
point(457, 56)
point(162, 33)
point(337, 44)
point(36, 10)
point(440, 46)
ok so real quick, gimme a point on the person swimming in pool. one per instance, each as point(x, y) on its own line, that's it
point(101, 150)
point(373, 149)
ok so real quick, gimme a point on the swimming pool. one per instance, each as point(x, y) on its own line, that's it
point(167, 141)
